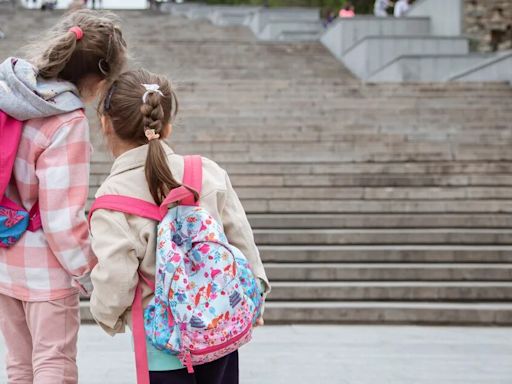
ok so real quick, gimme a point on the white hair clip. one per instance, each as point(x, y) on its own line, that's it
point(151, 88)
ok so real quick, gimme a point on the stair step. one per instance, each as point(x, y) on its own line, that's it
point(376, 193)
point(388, 272)
point(341, 220)
point(367, 170)
point(377, 206)
point(383, 236)
point(354, 180)
point(390, 312)
point(396, 290)
point(386, 253)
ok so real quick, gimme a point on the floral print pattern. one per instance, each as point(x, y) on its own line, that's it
point(207, 298)
point(13, 225)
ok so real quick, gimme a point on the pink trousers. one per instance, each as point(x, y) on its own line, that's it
point(41, 340)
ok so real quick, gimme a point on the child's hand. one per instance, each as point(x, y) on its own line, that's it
point(259, 322)
point(84, 285)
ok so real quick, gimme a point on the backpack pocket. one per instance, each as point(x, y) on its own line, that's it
point(13, 223)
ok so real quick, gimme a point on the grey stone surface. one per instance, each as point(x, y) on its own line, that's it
point(344, 33)
point(447, 17)
point(410, 68)
point(332, 355)
point(498, 68)
point(373, 52)
point(291, 30)
point(386, 253)
point(388, 272)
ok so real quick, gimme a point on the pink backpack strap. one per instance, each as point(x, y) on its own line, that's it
point(10, 136)
point(192, 178)
point(139, 338)
point(148, 210)
point(193, 173)
point(126, 204)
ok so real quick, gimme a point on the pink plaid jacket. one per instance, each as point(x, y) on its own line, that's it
point(52, 165)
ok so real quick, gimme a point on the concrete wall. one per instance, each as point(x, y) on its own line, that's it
point(498, 69)
point(276, 30)
point(229, 15)
point(446, 15)
point(373, 52)
point(344, 33)
point(426, 68)
point(264, 16)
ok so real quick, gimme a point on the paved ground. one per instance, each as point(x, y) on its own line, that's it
point(334, 355)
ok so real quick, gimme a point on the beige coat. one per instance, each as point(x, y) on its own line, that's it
point(123, 242)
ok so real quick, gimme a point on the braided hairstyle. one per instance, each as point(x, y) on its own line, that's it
point(132, 117)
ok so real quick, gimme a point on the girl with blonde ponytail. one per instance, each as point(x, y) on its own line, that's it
point(41, 274)
point(136, 114)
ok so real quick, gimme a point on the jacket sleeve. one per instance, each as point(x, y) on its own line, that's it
point(62, 170)
point(239, 233)
point(115, 275)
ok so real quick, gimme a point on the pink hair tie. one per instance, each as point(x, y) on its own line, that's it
point(77, 31)
point(151, 134)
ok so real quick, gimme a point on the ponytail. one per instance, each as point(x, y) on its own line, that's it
point(158, 174)
point(140, 105)
point(54, 60)
point(80, 44)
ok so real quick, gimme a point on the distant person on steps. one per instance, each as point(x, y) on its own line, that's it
point(402, 7)
point(347, 11)
point(380, 8)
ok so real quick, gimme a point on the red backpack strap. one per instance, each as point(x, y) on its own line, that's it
point(126, 204)
point(192, 178)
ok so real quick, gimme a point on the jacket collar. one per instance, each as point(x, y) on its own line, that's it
point(134, 158)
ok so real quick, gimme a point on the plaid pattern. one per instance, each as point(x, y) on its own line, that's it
point(52, 165)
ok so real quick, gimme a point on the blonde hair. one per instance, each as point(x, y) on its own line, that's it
point(101, 51)
point(131, 117)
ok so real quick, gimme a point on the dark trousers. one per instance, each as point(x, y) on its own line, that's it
point(221, 371)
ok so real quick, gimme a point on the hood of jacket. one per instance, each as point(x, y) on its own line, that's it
point(24, 95)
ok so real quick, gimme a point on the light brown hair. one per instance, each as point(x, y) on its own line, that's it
point(131, 117)
point(101, 51)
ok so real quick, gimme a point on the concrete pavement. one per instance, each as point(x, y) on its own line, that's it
point(333, 355)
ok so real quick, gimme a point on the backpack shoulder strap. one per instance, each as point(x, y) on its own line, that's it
point(126, 204)
point(193, 173)
point(192, 178)
point(10, 136)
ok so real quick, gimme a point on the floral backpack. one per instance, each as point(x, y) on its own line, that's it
point(14, 219)
point(206, 296)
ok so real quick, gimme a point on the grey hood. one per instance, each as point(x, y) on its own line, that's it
point(24, 95)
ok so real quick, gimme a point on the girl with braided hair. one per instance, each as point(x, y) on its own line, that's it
point(136, 115)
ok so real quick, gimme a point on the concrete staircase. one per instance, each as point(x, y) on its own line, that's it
point(269, 24)
point(370, 203)
point(425, 46)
